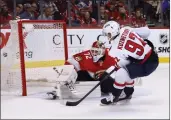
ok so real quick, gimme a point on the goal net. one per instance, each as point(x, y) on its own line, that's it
point(31, 46)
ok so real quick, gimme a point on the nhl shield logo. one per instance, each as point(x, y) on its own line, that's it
point(163, 38)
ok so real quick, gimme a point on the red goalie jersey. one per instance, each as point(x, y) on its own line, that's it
point(94, 60)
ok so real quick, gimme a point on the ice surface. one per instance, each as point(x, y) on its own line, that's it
point(151, 100)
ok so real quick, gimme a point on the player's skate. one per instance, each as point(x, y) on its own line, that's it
point(110, 100)
point(113, 97)
point(126, 98)
point(128, 91)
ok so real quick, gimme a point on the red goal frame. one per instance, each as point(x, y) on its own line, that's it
point(21, 47)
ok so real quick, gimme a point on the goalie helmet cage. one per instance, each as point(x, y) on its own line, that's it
point(28, 26)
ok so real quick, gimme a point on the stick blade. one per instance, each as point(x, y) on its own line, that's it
point(71, 103)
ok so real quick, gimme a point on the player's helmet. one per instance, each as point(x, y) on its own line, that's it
point(111, 29)
point(97, 50)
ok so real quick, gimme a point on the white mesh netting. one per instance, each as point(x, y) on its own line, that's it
point(43, 49)
point(10, 76)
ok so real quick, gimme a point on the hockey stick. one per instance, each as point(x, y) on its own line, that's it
point(68, 103)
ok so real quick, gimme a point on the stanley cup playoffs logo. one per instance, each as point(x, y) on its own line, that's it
point(163, 38)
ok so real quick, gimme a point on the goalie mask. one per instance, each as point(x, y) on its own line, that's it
point(97, 50)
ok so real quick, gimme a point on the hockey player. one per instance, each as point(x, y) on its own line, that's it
point(90, 64)
point(136, 58)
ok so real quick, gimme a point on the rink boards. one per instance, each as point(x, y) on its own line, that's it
point(45, 48)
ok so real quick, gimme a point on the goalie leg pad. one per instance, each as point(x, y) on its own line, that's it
point(67, 76)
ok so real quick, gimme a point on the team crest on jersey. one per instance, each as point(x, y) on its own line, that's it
point(78, 58)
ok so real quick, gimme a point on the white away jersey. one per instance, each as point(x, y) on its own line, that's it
point(129, 44)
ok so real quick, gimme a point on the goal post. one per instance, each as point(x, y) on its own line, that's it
point(45, 39)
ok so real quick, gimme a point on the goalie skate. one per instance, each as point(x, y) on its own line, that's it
point(52, 95)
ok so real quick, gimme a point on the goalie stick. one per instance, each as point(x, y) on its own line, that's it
point(69, 103)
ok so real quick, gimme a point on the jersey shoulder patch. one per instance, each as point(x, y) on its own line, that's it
point(77, 57)
point(80, 56)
